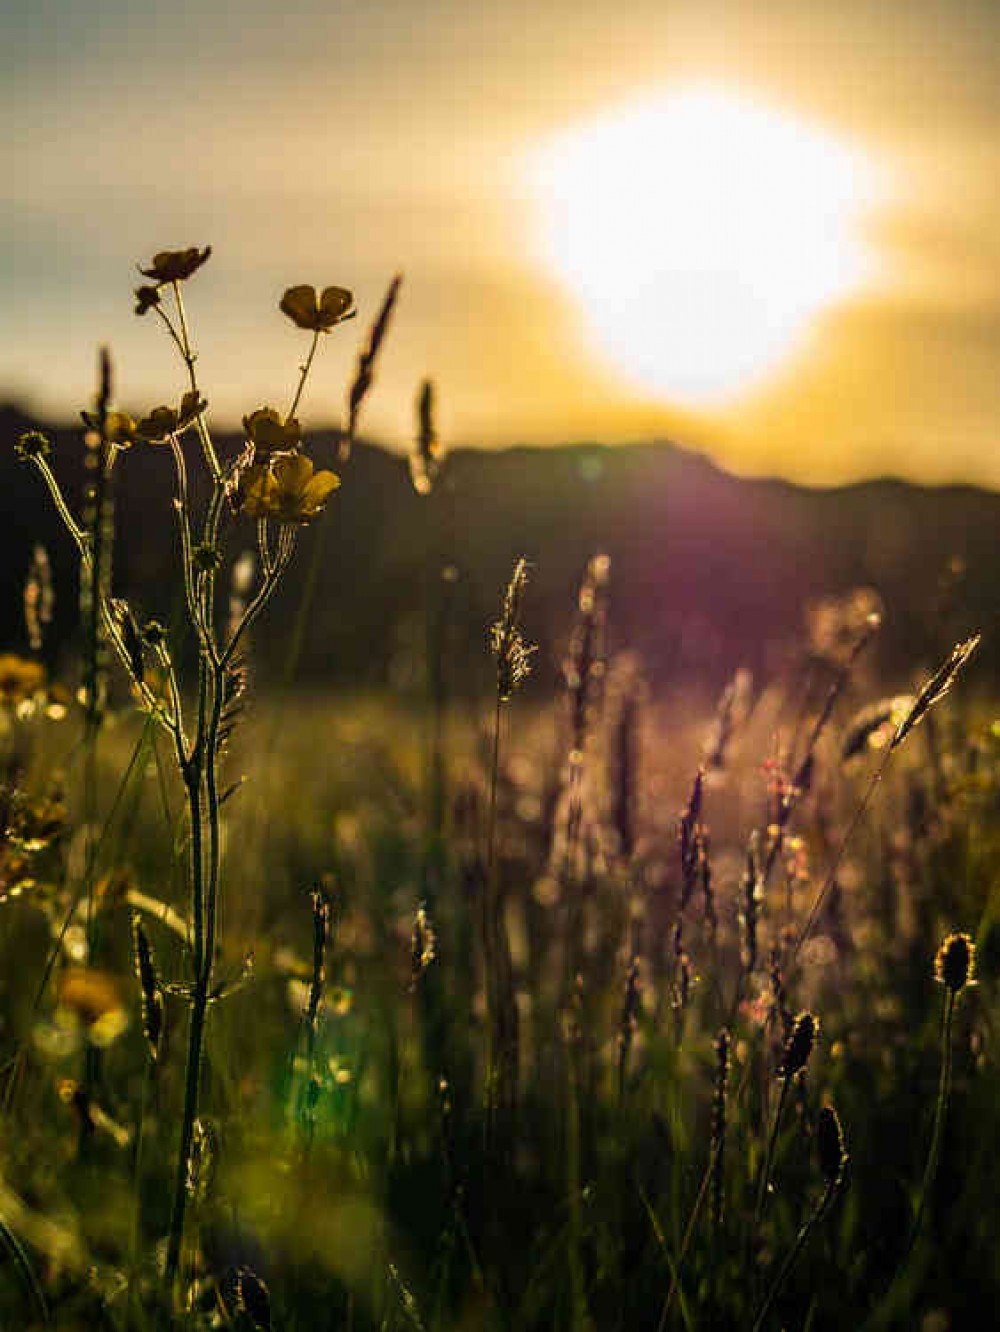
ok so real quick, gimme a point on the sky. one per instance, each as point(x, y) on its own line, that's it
point(768, 230)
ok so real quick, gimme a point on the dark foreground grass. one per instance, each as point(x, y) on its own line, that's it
point(344, 1156)
point(609, 1011)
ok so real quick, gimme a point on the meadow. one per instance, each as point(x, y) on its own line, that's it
point(528, 991)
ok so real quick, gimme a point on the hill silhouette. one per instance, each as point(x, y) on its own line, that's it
point(709, 571)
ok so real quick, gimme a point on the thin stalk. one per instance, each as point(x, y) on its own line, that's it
point(147, 1079)
point(189, 357)
point(182, 510)
point(305, 368)
point(940, 1115)
point(772, 1141)
point(885, 1309)
point(149, 700)
point(286, 546)
point(675, 1275)
point(199, 1007)
point(821, 1208)
point(490, 942)
point(212, 797)
point(831, 873)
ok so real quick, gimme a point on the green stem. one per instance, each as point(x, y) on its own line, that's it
point(149, 701)
point(303, 376)
point(769, 1157)
point(791, 1259)
point(885, 1310)
point(831, 873)
point(147, 1078)
point(193, 778)
point(199, 1008)
point(940, 1115)
point(189, 357)
point(491, 969)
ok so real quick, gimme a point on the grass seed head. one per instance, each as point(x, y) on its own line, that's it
point(425, 460)
point(152, 1002)
point(955, 964)
point(830, 1145)
point(799, 1045)
point(936, 687)
point(507, 643)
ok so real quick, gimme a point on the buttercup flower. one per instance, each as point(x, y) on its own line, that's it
point(119, 428)
point(145, 299)
point(287, 490)
point(269, 434)
point(174, 266)
point(318, 314)
point(164, 421)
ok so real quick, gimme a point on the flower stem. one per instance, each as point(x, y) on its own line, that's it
point(303, 376)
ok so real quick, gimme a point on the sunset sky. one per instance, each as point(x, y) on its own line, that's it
point(768, 230)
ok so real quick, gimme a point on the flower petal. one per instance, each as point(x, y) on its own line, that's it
point(259, 492)
point(161, 422)
point(293, 473)
point(334, 304)
point(299, 304)
point(319, 490)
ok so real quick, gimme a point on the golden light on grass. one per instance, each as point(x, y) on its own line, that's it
point(701, 234)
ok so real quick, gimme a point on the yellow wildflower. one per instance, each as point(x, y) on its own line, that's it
point(269, 434)
point(287, 490)
point(119, 428)
point(164, 421)
point(320, 314)
point(175, 265)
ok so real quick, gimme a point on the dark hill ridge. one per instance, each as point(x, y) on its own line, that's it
point(709, 571)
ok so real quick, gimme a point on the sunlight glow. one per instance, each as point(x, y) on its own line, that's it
point(701, 234)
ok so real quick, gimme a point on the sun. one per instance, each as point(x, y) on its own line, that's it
point(702, 234)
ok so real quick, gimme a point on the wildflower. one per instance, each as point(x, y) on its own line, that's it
point(173, 266)
point(164, 421)
point(20, 679)
point(287, 490)
point(268, 434)
point(33, 444)
point(955, 964)
point(117, 428)
point(146, 298)
point(305, 310)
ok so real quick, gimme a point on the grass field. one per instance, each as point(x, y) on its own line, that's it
point(622, 1009)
